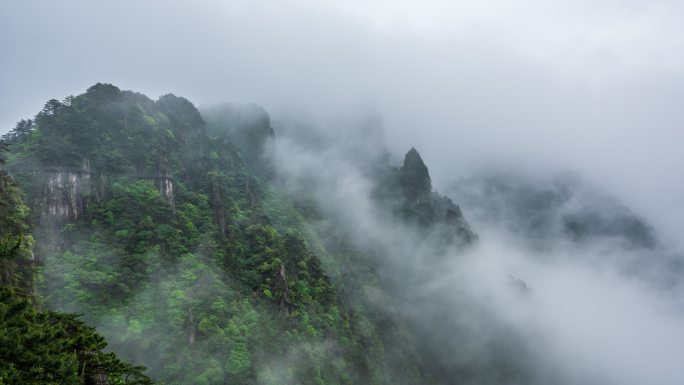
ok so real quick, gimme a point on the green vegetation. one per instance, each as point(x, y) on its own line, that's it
point(15, 242)
point(46, 347)
point(38, 346)
point(171, 238)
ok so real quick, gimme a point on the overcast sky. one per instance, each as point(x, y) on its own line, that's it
point(596, 86)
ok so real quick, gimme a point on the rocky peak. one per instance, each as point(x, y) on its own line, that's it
point(414, 177)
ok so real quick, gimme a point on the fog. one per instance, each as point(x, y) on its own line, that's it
point(535, 300)
point(529, 87)
point(580, 84)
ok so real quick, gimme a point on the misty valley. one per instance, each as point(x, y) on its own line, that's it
point(148, 241)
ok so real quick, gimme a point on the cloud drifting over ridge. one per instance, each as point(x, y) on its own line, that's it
point(585, 314)
point(589, 85)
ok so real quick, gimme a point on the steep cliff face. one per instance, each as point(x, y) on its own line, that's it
point(415, 179)
point(65, 193)
point(165, 182)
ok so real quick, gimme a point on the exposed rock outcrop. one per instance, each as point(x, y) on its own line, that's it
point(65, 193)
point(165, 182)
point(410, 187)
point(415, 178)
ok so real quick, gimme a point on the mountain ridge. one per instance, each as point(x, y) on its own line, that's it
point(171, 237)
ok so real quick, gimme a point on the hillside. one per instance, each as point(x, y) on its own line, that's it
point(174, 234)
point(40, 346)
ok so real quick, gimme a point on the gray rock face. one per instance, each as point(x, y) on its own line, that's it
point(415, 178)
point(409, 193)
point(165, 182)
point(65, 193)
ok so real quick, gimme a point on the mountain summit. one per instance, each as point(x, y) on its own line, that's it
point(415, 178)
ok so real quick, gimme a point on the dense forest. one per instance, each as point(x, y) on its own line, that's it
point(173, 232)
point(39, 346)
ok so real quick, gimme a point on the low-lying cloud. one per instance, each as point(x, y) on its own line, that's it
point(566, 285)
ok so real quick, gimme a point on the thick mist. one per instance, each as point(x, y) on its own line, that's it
point(566, 284)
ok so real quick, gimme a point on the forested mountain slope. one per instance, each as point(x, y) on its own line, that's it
point(41, 346)
point(174, 237)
